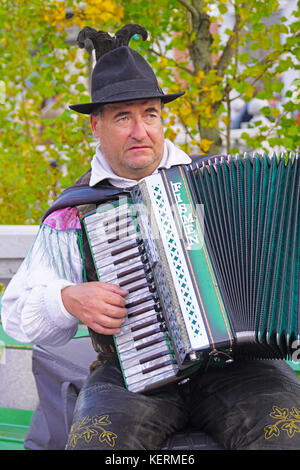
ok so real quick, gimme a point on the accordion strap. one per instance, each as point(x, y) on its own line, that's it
point(81, 194)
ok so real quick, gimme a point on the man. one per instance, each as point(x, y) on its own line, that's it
point(47, 297)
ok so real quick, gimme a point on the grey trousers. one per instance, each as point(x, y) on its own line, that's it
point(253, 405)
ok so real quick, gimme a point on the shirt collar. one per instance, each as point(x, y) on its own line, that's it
point(101, 169)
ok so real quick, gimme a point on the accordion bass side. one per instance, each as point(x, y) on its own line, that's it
point(210, 255)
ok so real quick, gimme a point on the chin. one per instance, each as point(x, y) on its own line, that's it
point(135, 164)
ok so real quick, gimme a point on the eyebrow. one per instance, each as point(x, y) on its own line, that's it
point(150, 109)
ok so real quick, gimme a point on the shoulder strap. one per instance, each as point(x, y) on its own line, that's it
point(81, 194)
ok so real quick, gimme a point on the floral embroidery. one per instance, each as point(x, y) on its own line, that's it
point(286, 420)
point(64, 219)
point(85, 429)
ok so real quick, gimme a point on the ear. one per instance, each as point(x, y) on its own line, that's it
point(94, 121)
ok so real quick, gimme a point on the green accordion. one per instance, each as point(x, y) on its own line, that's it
point(210, 256)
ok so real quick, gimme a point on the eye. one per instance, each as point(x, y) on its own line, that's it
point(122, 119)
point(151, 116)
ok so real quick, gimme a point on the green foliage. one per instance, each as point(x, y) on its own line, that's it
point(41, 156)
point(247, 60)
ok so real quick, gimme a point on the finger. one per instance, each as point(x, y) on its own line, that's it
point(105, 331)
point(110, 322)
point(112, 311)
point(114, 288)
point(112, 299)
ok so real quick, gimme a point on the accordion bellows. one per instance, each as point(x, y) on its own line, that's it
point(212, 268)
point(252, 231)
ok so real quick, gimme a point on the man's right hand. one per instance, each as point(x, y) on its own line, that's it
point(98, 305)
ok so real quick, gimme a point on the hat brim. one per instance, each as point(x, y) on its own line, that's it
point(88, 108)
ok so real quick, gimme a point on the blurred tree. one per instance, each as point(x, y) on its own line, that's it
point(217, 64)
point(45, 147)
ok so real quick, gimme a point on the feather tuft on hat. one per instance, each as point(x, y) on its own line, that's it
point(90, 39)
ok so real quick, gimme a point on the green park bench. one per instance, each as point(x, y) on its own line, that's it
point(14, 422)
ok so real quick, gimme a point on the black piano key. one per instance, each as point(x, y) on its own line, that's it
point(133, 279)
point(124, 248)
point(131, 271)
point(141, 311)
point(126, 258)
point(109, 272)
point(105, 250)
point(136, 382)
point(131, 357)
point(121, 236)
point(144, 331)
point(158, 329)
point(154, 356)
point(156, 366)
point(153, 321)
point(141, 322)
point(149, 285)
point(138, 302)
point(149, 367)
point(150, 343)
point(130, 344)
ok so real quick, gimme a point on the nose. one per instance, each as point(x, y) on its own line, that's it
point(138, 129)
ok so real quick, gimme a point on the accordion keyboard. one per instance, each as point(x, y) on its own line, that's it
point(120, 258)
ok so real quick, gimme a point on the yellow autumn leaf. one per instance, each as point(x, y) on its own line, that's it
point(170, 134)
point(199, 77)
point(185, 111)
point(163, 61)
point(205, 144)
point(226, 120)
point(249, 91)
point(275, 112)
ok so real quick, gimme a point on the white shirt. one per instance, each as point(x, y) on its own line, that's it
point(32, 307)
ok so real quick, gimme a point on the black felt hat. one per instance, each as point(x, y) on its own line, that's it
point(120, 74)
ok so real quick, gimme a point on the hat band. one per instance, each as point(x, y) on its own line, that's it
point(126, 87)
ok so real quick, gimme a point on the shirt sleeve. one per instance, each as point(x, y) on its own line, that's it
point(32, 307)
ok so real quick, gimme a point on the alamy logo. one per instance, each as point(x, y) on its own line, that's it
point(296, 351)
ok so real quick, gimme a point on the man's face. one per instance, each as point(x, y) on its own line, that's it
point(131, 137)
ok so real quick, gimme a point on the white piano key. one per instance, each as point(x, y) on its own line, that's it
point(131, 344)
point(126, 231)
point(139, 320)
point(142, 368)
point(106, 248)
point(111, 259)
point(115, 276)
point(104, 271)
point(134, 379)
point(145, 383)
point(130, 357)
point(129, 336)
point(138, 295)
point(146, 304)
